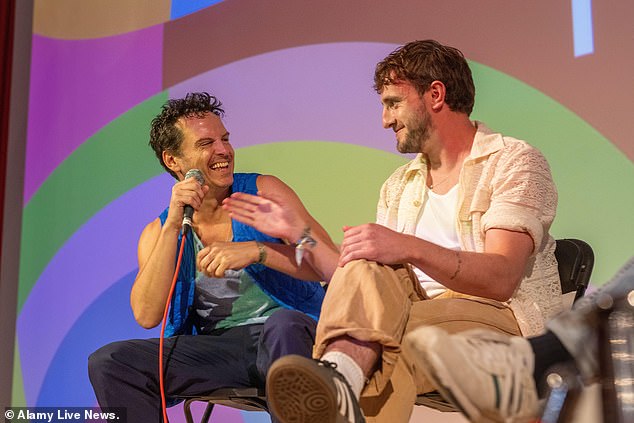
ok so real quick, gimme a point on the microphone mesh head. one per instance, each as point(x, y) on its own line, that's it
point(195, 173)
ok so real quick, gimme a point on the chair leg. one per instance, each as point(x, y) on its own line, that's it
point(188, 412)
point(207, 414)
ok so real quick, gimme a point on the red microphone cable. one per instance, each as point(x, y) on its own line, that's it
point(162, 337)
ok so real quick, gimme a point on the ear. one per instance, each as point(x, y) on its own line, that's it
point(172, 162)
point(437, 91)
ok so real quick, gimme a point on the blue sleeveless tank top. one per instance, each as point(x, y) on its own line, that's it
point(287, 291)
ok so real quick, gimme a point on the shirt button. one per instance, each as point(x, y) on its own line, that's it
point(416, 203)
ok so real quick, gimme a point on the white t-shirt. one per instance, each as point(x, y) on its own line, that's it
point(437, 224)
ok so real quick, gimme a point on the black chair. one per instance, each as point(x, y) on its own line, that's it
point(575, 260)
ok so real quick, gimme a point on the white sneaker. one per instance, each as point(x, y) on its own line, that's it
point(497, 383)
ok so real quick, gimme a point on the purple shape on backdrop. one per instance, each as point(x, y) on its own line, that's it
point(79, 86)
point(100, 253)
point(316, 92)
point(220, 414)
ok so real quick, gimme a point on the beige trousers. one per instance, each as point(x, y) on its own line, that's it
point(379, 303)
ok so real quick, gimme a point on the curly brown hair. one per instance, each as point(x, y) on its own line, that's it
point(165, 135)
point(421, 63)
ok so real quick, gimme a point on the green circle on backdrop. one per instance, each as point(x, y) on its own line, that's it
point(338, 183)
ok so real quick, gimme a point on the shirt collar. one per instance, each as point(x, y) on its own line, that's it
point(485, 142)
point(417, 164)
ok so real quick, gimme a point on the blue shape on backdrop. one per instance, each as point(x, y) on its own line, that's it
point(181, 8)
point(109, 318)
point(583, 33)
point(255, 417)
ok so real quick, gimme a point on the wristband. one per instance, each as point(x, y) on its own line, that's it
point(262, 250)
point(305, 241)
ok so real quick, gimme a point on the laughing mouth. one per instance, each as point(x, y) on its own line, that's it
point(220, 166)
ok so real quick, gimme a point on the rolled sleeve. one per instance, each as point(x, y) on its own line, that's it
point(524, 197)
point(516, 219)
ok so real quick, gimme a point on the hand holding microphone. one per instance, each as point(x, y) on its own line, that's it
point(188, 210)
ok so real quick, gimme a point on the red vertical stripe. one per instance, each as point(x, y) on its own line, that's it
point(7, 18)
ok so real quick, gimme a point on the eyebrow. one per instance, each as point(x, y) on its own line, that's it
point(203, 140)
point(391, 99)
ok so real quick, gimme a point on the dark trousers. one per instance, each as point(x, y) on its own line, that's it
point(125, 373)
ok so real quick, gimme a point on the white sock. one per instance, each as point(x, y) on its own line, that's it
point(348, 368)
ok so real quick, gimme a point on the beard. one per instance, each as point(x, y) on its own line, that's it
point(418, 135)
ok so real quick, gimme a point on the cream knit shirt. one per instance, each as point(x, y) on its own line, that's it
point(506, 184)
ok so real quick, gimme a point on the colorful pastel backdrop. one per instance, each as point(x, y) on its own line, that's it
point(296, 81)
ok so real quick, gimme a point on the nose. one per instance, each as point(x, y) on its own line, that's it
point(388, 118)
point(221, 147)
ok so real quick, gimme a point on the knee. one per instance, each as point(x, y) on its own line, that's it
point(102, 361)
point(98, 359)
point(287, 329)
point(355, 266)
point(285, 332)
point(360, 272)
point(289, 323)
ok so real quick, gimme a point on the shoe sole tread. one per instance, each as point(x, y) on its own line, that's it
point(298, 394)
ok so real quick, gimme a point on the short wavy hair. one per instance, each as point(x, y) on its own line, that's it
point(424, 61)
point(165, 135)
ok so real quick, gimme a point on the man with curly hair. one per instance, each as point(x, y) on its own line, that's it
point(240, 301)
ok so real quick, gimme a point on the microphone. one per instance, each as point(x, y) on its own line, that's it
point(188, 211)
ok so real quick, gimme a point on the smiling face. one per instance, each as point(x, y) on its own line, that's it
point(206, 147)
point(404, 111)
